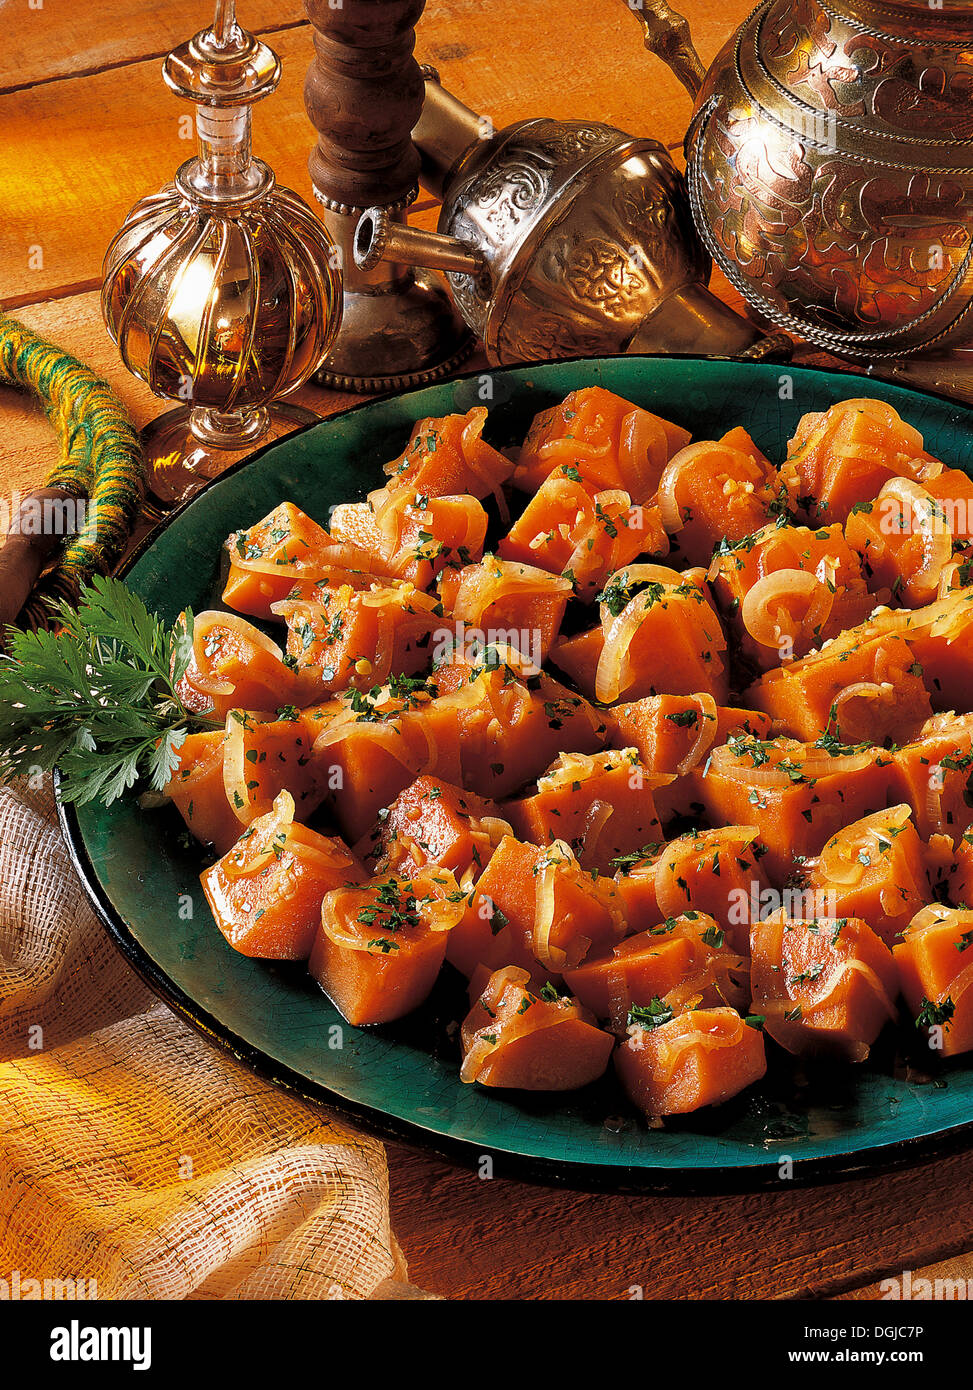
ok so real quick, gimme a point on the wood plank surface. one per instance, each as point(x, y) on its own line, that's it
point(45, 41)
point(469, 1238)
point(79, 129)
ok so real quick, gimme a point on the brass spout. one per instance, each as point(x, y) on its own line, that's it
point(378, 238)
point(666, 34)
point(693, 320)
point(443, 133)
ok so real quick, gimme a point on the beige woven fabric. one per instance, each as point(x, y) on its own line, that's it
point(135, 1154)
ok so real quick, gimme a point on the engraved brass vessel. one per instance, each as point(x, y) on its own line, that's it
point(830, 172)
point(558, 238)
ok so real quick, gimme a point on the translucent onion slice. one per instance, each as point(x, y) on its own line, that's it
point(311, 565)
point(205, 625)
point(706, 725)
point(598, 814)
point(928, 518)
point(761, 610)
point(386, 735)
point(251, 855)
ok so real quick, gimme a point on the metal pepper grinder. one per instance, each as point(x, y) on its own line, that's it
point(363, 95)
point(560, 238)
point(223, 290)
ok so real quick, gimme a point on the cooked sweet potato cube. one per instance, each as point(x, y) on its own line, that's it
point(904, 541)
point(695, 1059)
point(263, 757)
point(527, 1041)
point(717, 872)
point(797, 795)
point(345, 639)
point(689, 954)
point(786, 589)
point(936, 971)
point(446, 456)
point(659, 635)
point(196, 790)
point(508, 603)
point(934, 774)
point(265, 893)
point(536, 908)
point(509, 727)
point(380, 946)
point(433, 822)
point(372, 749)
point(602, 804)
point(825, 987)
point(268, 559)
point(409, 536)
point(672, 735)
point(712, 492)
point(611, 442)
point(844, 455)
point(571, 528)
point(234, 666)
point(863, 685)
point(875, 869)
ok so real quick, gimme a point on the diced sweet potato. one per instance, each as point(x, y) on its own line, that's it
point(844, 455)
point(673, 734)
point(446, 456)
point(433, 822)
point(659, 635)
point(196, 790)
point(863, 685)
point(344, 639)
point(904, 541)
point(712, 492)
point(263, 757)
point(688, 953)
point(786, 589)
point(874, 869)
point(695, 1059)
point(796, 794)
point(611, 442)
point(825, 987)
point(380, 946)
point(412, 537)
point(934, 774)
point(571, 528)
point(521, 1040)
point(234, 666)
point(507, 602)
point(268, 559)
point(536, 908)
point(265, 893)
point(936, 972)
point(717, 872)
point(602, 804)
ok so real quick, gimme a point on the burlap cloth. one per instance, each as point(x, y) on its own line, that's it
point(134, 1153)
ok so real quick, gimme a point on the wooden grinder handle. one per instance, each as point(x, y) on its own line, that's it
point(364, 94)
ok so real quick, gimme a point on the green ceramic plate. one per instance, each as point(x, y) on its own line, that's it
point(403, 1080)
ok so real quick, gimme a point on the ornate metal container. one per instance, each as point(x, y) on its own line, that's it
point(222, 290)
point(559, 238)
point(830, 171)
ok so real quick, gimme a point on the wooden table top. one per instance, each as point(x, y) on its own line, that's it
point(86, 128)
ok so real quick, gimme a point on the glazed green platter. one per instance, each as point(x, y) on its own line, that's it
point(403, 1080)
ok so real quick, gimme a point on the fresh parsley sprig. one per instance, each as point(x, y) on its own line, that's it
point(98, 697)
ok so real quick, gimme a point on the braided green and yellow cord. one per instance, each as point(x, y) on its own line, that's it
point(101, 459)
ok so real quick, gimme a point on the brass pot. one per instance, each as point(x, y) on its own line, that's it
point(559, 238)
point(830, 169)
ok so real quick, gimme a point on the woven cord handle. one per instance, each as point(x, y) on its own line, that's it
point(101, 464)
